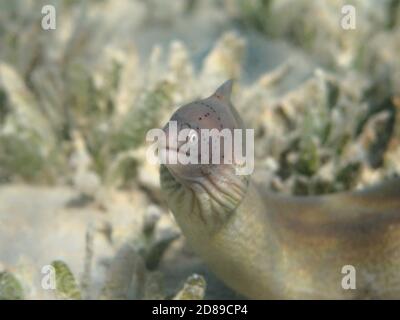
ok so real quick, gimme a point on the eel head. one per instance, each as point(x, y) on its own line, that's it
point(206, 185)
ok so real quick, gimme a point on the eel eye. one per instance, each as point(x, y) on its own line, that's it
point(192, 137)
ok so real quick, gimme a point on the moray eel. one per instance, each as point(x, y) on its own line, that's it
point(270, 246)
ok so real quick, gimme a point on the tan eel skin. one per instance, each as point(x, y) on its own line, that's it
point(270, 246)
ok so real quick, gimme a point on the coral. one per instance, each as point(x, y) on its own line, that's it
point(10, 287)
point(66, 285)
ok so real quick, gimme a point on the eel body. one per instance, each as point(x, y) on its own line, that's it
point(270, 246)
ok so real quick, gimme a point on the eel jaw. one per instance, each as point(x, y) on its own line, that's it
point(211, 199)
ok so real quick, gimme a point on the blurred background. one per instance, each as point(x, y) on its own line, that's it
point(76, 103)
